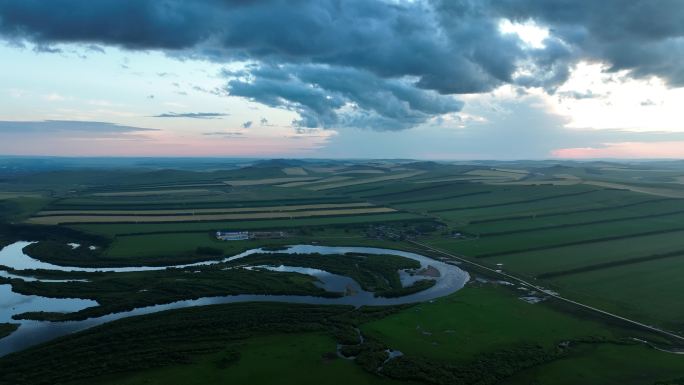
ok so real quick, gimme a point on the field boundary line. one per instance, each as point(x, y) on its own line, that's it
point(582, 242)
point(515, 202)
point(558, 213)
point(611, 264)
point(579, 224)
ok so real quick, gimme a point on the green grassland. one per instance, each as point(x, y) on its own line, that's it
point(607, 239)
point(182, 247)
point(606, 364)
point(647, 291)
point(489, 246)
point(533, 221)
point(7, 329)
point(560, 259)
point(147, 228)
point(476, 320)
point(533, 206)
point(483, 332)
point(179, 338)
point(297, 359)
point(514, 195)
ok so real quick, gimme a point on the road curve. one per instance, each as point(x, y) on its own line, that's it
point(550, 293)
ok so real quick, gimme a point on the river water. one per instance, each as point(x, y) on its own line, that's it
point(449, 280)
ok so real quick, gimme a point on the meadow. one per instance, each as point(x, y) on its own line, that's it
point(609, 235)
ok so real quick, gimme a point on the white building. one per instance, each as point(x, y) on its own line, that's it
point(232, 235)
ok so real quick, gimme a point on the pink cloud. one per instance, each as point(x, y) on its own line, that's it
point(625, 150)
point(155, 144)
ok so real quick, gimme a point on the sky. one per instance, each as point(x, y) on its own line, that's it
point(422, 79)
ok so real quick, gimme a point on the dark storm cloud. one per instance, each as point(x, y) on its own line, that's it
point(370, 63)
point(327, 96)
point(645, 37)
point(191, 115)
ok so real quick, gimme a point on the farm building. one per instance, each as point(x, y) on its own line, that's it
point(232, 235)
point(268, 234)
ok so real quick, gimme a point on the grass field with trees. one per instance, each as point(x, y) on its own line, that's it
point(606, 234)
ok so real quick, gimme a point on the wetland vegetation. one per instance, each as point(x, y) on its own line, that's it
point(614, 245)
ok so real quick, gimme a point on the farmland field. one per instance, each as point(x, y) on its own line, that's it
point(311, 192)
point(593, 241)
point(58, 219)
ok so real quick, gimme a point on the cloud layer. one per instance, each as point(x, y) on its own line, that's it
point(191, 115)
point(385, 65)
point(60, 126)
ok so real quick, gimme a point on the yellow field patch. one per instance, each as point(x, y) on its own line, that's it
point(360, 172)
point(662, 192)
point(308, 183)
point(496, 174)
point(567, 176)
point(55, 220)
point(10, 195)
point(561, 180)
point(366, 180)
point(323, 170)
point(635, 169)
point(257, 182)
point(564, 182)
point(512, 170)
point(294, 171)
point(149, 192)
point(459, 178)
point(192, 211)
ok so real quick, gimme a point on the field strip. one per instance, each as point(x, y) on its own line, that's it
point(512, 170)
point(10, 195)
point(148, 192)
point(578, 242)
point(535, 182)
point(258, 182)
point(294, 171)
point(367, 180)
point(204, 211)
point(544, 198)
point(441, 199)
point(497, 174)
point(145, 187)
point(461, 179)
point(579, 224)
point(557, 213)
point(416, 189)
point(360, 172)
point(637, 169)
point(644, 190)
point(54, 220)
point(307, 183)
point(611, 264)
point(323, 170)
point(567, 176)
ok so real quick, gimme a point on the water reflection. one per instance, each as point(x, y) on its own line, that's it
point(448, 279)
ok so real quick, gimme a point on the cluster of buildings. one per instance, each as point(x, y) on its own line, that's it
point(244, 235)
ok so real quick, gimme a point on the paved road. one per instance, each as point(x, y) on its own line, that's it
point(550, 293)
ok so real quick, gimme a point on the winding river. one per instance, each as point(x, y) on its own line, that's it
point(448, 280)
